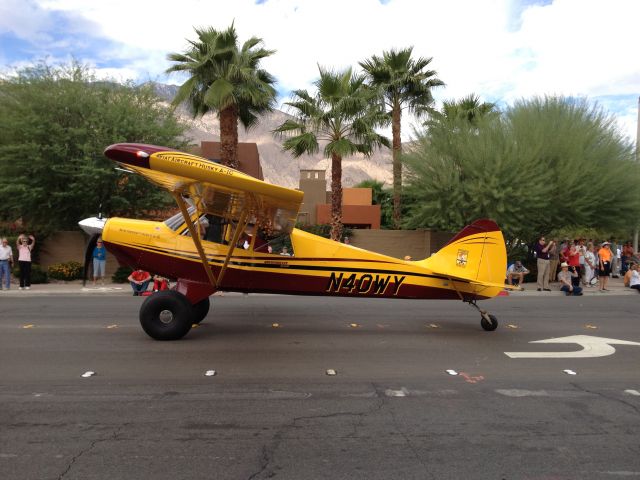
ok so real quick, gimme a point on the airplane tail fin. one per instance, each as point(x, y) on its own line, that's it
point(476, 254)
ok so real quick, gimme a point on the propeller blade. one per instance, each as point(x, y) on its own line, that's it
point(88, 256)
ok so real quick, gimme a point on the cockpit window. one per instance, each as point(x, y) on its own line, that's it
point(177, 220)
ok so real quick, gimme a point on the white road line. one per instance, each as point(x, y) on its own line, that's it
point(633, 392)
point(396, 393)
point(514, 392)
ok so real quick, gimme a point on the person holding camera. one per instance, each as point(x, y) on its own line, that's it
point(542, 254)
point(25, 247)
point(565, 277)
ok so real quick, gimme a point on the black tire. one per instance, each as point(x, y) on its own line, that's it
point(200, 310)
point(489, 325)
point(166, 315)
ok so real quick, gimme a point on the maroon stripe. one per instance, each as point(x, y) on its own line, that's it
point(267, 282)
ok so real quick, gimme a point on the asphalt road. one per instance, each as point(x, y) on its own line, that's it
point(392, 411)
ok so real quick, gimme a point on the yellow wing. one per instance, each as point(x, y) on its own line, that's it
point(213, 188)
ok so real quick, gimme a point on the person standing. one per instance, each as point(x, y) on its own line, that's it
point(589, 265)
point(25, 247)
point(554, 257)
point(99, 262)
point(604, 255)
point(6, 263)
point(542, 254)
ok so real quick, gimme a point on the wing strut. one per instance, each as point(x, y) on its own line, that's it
point(196, 239)
point(242, 223)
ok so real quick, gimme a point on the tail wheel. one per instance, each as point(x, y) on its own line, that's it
point(489, 322)
point(166, 315)
point(200, 310)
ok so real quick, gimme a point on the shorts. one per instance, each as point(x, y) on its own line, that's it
point(605, 269)
point(98, 268)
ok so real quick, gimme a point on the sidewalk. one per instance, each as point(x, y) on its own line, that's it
point(615, 286)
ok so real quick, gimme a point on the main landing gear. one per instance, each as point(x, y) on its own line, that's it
point(168, 315)
point(487, 321)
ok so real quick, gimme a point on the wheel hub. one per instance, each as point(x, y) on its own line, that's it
point(166, 316)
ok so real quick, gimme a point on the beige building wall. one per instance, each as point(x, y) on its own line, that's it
point(314, 185)
point(65, 246)
point(418, 244)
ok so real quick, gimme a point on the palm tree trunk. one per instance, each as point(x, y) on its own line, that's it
point(397, 166)
point(229, 136)
point(336, 197)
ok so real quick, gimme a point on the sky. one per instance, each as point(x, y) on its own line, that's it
point(501, 50)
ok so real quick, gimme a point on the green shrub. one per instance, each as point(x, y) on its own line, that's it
point(66, 271)
point(38, 275)
point(121, 275)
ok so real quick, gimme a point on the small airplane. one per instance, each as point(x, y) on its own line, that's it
point(233, 232)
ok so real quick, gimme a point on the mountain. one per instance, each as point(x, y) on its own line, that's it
point(278, 166)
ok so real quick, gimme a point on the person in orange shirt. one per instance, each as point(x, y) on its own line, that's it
point(604, 255)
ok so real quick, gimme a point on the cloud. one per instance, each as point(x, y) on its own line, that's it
point(500, 49)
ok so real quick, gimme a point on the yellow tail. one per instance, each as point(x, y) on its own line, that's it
point(477, 253)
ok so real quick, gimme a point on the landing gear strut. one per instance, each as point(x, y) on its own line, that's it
point(487, 321)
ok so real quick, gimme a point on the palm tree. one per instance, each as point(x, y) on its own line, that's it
point(403, 83)
point(343, 116)
point(468, 108)
point(227, 80)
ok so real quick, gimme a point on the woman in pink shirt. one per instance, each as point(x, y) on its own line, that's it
point(25, 246)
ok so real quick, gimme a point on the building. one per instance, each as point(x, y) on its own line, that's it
point(248, 156)
point(357, 210)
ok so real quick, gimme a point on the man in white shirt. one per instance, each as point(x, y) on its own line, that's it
point(516, 273)
point(6, 262)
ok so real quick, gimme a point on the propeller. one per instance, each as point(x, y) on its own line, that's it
point(88, 256)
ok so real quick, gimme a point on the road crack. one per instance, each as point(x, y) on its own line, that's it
point(75, 458)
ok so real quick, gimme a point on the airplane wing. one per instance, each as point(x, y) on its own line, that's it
point(213, 188)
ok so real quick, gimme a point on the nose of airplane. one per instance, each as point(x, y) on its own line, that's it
point(136, 154)
point(92, 225)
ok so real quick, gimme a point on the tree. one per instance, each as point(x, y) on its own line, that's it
point(469, 108)
point(55, 123)
point(227, 80)
point(545, 164)
point(403, 83)
point(343, 116)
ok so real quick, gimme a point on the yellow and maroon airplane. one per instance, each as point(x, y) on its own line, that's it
point(224, 236)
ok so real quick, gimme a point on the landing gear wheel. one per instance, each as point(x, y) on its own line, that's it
point(200, 310)
point(489, 322)
point(166, 315)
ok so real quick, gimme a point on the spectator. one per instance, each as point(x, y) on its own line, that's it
point(635, 277)
point(160, 283)
point(616, 256)
point(542, 254)
point(572, 258)
point(626, 257)
point(99, 261)
point(627, 275)
point(516, 273)
point(604, 255)
point(6, 263)
point(589, 265)
point(139, 280)
point(565, 277)
point(25, 247)
point(554, 260)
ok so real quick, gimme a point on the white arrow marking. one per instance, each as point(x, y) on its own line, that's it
point(591, 347)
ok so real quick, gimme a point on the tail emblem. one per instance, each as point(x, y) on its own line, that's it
point(461, 260)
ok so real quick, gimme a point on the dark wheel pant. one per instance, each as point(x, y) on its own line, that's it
point(25, 273)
